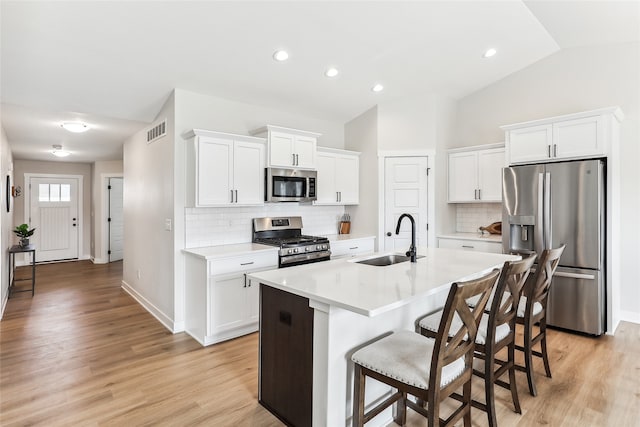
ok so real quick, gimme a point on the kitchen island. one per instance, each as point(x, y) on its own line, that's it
point(313, 317)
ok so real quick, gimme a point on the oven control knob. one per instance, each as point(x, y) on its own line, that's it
point(290, 251)
point(318, 247)
point(295, 250)
point(324, 246)
point(307, 249)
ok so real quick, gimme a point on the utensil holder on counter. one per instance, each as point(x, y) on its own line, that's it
point(345, 227)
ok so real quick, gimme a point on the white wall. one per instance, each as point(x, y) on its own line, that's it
point(148, 266)
point(99, 207)
point(361, 134)
point(569, 81)
point(6, 218)
point(407, 124)
point(59, 168)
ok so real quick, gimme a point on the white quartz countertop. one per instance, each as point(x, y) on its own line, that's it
point(472, 236)
point(372, 290)
point(223, 251)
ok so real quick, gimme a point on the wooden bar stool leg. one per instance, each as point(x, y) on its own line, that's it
point(400, 416)
point(489, 389)
point(512, 378)
point(528, 357)
point(543, 345)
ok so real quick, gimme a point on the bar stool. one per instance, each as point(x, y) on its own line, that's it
point(496, 331)
point(429, 369)
point(532, 309)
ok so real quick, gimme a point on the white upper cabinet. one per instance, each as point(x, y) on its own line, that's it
point(338, 177)
point(289, 148)
point(574, 136)
point(224, 169)
point(475, 174)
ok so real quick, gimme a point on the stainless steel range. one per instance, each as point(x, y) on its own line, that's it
point(286, 233)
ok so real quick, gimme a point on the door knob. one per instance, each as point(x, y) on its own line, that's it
point(389, 233)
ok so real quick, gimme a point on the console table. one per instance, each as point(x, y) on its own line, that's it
point(17, 249)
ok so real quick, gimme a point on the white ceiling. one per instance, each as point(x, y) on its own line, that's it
point(113, 64)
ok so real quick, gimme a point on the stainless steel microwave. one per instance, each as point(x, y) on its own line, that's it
point(290, 185)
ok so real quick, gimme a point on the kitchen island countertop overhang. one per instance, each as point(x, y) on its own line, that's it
point(372, 290)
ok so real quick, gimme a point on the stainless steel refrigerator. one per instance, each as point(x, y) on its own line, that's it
point(548, 205)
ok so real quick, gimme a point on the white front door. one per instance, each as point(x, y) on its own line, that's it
point(116, 219)
point(54, 215)
point(405, 191)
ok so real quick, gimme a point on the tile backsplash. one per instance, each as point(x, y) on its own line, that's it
point(471, 216)
point(223, 226)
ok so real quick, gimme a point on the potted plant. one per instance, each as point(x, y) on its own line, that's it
point(23, 232)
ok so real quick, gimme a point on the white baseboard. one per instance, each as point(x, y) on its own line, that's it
point(99, 260)
point(166, 321)
point(630, 316)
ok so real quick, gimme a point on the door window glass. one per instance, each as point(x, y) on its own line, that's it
point(54, 192)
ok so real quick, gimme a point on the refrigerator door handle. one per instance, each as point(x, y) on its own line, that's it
point(539, 221)
point(574, 275)
point(547, 210)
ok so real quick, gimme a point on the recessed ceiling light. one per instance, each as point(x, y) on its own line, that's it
point(377, 87)
point(489, 53)
point(59, 152)
point(75, 127)
point(331, 72)
point(281, 55)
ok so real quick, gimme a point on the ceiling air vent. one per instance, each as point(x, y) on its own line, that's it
point(157, 132)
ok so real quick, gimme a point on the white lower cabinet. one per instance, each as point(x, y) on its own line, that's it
point(220, 301)
point(352, 247)
point(471, 245)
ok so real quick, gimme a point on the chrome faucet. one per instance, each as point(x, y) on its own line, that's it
point(412, 249)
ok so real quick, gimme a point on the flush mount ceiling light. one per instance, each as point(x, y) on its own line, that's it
point(75, 127)
point(59, 152)
point(377, 87)
point(331, 72)
point(281, 55)
point(489, 53)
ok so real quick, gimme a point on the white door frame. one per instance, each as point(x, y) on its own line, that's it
point(104, 227)
point(431, 193)
point(27, 202)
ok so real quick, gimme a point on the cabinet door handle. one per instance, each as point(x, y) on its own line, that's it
point(337, 197)
point(231, 195)
point(353, 248)
point(468, 247)
point(236, 192)
point(479, 195)
point(297, 161)
point(549, 150)
point(246, 263)
point(555, 150)
point(293, 160)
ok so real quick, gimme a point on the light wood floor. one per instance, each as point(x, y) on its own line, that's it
point(83, 352)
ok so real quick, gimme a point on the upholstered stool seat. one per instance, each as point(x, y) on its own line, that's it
point(401, 356)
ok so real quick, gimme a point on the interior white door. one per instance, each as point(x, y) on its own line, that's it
point(116, 219)
point(54, 214)
point(405, 191)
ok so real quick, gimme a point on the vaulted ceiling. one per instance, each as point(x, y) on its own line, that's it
point(113, 64)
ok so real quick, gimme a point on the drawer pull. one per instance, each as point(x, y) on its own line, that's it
point(467, 246)
point(246, 263)
point(355, 247)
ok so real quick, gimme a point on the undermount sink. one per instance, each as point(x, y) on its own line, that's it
point(385, 260)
